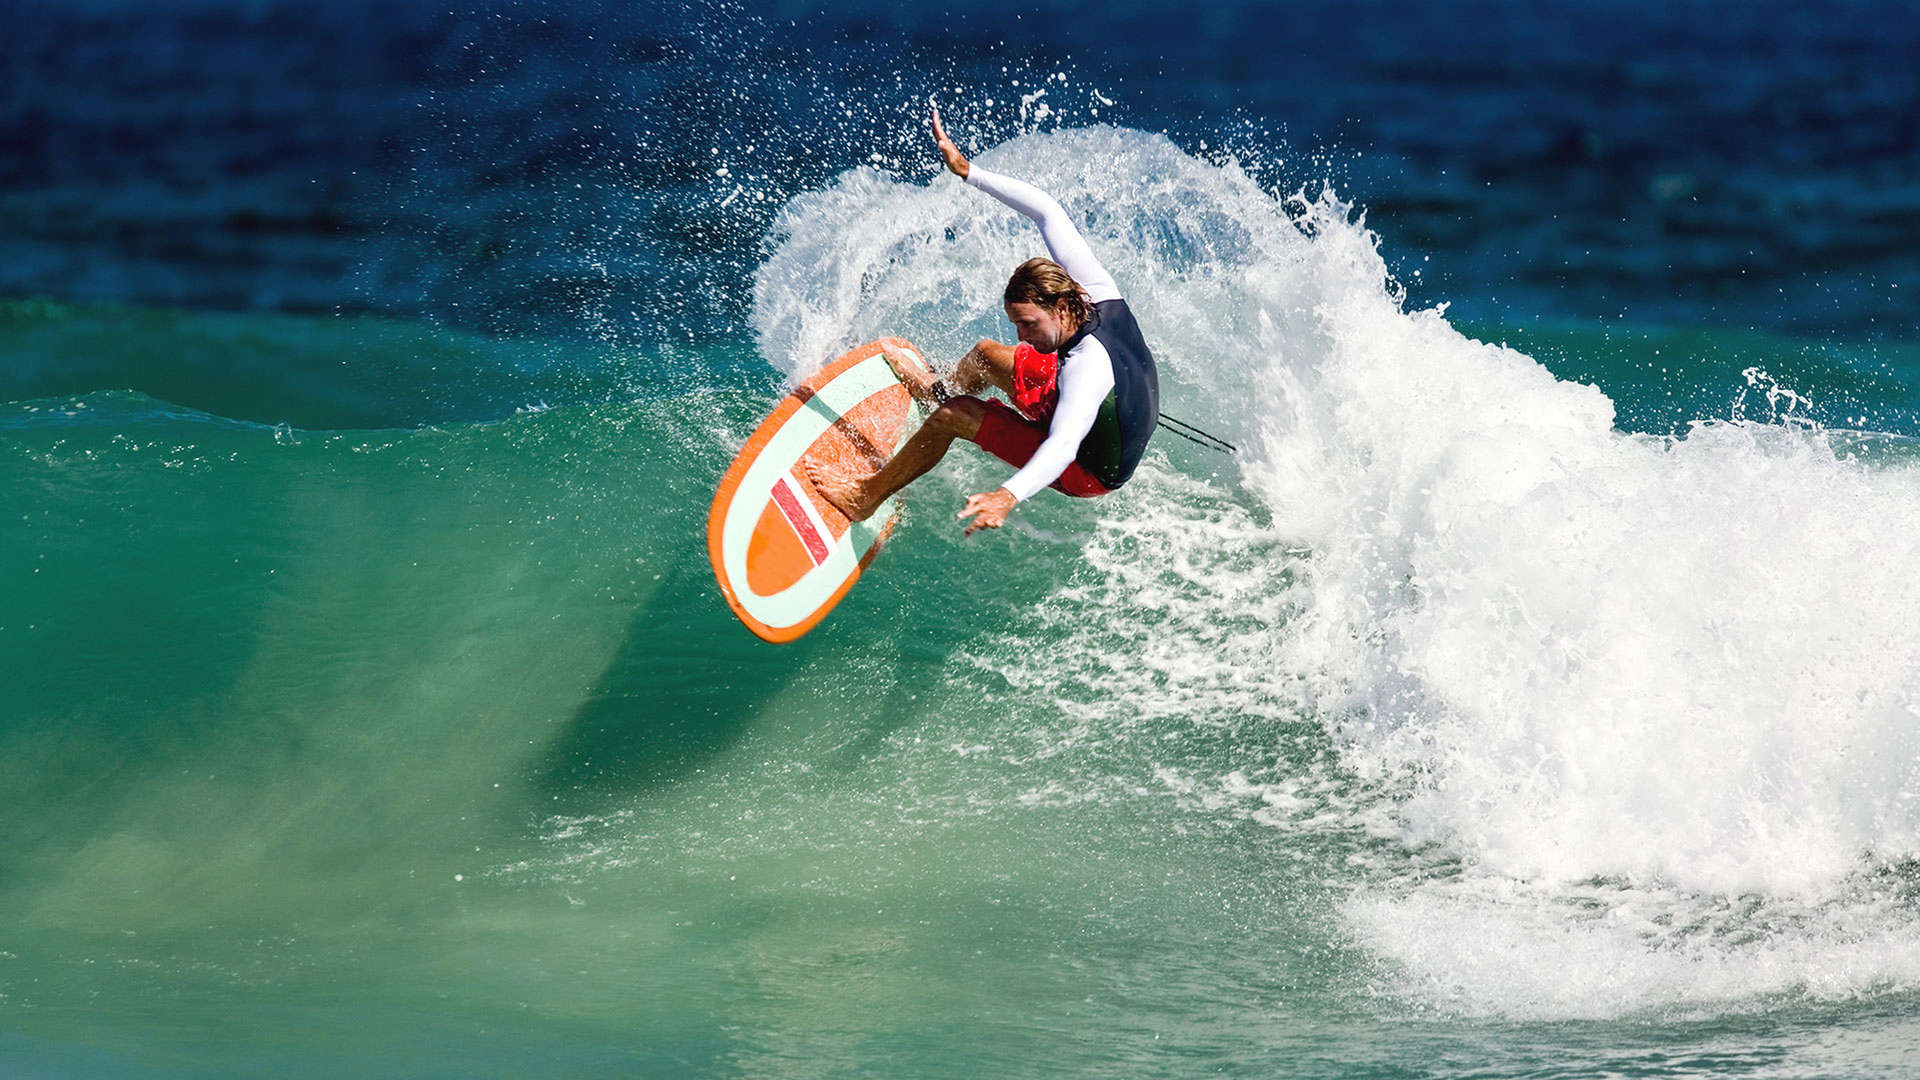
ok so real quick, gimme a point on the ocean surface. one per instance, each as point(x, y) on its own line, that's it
point(1535, 694)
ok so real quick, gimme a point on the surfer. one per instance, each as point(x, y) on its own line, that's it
point(1081, 377)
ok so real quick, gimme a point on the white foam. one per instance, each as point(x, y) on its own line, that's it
point(1562, 652)
point(1494, 947)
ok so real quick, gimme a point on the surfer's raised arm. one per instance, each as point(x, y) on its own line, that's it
point(1064, 241)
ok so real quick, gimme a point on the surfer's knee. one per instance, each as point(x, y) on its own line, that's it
point(958, 417)
point(988, 363)
point(972, 374)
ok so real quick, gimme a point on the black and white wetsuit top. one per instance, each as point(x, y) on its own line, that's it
point(1109, 391)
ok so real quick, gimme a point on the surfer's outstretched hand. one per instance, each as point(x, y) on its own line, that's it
point(956, 160)
point(989, 509)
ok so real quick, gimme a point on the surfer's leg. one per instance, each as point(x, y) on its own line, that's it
point(957, 418)
point(988, 363)
point(924, 387)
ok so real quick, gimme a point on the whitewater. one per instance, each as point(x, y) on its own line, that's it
point(1627, 723)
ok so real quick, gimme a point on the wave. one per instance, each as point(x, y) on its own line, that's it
point(1576, 722)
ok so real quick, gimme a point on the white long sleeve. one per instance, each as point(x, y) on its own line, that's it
point(1064, 241)
point(1086, 377)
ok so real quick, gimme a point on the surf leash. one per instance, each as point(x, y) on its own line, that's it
point(1193, 434)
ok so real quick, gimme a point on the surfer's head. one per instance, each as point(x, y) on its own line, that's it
point(1044, 304)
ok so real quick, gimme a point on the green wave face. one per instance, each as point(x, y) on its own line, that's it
point(228, 633)
point(310, 720)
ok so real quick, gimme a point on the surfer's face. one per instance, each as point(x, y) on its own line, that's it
point(1041, 327)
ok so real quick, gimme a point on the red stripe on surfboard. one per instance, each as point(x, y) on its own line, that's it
point(796, 517)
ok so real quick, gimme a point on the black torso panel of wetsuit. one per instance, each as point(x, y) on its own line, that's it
point(1113, 448)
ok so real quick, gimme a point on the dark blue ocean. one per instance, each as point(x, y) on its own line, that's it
point(1533, 694)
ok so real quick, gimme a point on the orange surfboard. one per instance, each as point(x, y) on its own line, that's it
point(783, 555)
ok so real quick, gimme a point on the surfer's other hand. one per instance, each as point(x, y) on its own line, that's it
point(989, 509)
point(956, 160)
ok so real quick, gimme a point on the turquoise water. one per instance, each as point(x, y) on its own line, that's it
point(1491, 715)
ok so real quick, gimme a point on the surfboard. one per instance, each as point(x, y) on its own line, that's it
point(783, 555)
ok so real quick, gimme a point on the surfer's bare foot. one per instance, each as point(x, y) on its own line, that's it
point(911, 375)
point(848, 495)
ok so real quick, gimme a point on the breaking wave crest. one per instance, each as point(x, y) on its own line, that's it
point(1616, 706)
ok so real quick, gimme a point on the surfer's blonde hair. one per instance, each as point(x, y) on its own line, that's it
point(1047, 283)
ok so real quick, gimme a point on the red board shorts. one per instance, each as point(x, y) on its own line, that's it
point(1013, 438)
